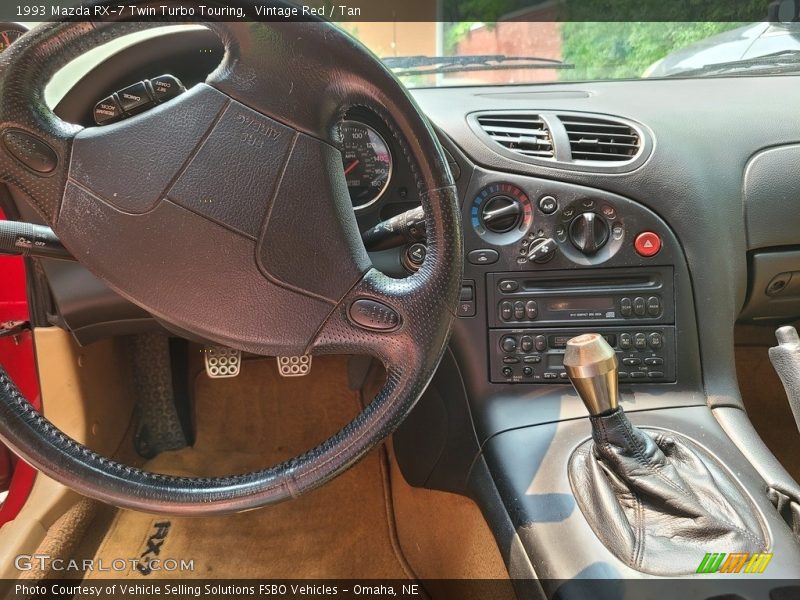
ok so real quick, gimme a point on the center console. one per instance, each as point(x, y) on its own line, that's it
point(546, 262)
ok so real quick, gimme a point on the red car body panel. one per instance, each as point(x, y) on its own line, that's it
point(18, 359)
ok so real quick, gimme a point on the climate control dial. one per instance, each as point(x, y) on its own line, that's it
point(501, 214)
point(588, 232)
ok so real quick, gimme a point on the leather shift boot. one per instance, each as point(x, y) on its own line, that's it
point(657, 500)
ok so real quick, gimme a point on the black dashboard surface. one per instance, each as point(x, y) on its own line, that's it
point(704, 133)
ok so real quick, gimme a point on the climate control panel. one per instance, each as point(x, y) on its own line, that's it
point(550, 260)
point(645, 354)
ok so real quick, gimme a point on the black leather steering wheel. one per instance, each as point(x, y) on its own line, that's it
point(225, 213)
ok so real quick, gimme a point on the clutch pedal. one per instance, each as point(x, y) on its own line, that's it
point(222, 361)
point(294, 366)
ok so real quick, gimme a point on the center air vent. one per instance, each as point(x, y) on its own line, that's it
point(563, 139)
point(525, 134)
point(603, 140)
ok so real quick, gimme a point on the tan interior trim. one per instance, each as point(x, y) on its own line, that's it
point(88, 393)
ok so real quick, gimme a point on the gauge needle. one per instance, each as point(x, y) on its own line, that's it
point(351, 166)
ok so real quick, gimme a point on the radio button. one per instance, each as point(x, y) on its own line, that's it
point(508, 285)
point(533, 359)
point(640, 341)
point(654, 306)
point(527, 371)
point(540, 343)
point(631, 362)
point(622, 375)
point(639, 306)
point(526, 343)
point(506, 311)
point(508, 371)
point(562, 375)
point(550, 375)
point(508, 344)
point(625, 307)
point(625, 341)
point(655, 340)
point(611, 338)
point(531, 310)
point(655, 375)
point(519, 310)
point(638, 375)
point(510, 360)
point(653, 361)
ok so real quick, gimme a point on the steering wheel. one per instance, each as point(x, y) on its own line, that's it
point(225, 213)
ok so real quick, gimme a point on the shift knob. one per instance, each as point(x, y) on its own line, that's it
point(592, 367)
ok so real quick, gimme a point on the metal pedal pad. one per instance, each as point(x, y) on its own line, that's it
point(222, 361)
point(294, 366)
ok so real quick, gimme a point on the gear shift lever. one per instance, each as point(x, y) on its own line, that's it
point(657, 500)
point(592, 367)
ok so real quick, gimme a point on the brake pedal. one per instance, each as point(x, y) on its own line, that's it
point(222, 361)
point(294, 366)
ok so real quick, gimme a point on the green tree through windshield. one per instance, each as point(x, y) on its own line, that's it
point(626, 50)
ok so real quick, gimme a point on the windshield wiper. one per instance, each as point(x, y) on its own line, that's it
point(424, 65)
point(775, 62)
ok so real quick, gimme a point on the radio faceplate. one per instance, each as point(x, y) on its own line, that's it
point(645, 354)
point(532, 315)
point(610, 296)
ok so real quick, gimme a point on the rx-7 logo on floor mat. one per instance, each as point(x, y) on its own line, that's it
point(736, 562)
point(153, 548)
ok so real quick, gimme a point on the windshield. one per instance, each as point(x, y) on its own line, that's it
point(426, 54)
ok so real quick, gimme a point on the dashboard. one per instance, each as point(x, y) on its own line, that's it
point(652, 211)
point(657, 213)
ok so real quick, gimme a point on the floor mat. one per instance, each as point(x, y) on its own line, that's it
point(342, 530)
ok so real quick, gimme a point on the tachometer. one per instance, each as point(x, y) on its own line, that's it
point(367, 163)
point(8, 36)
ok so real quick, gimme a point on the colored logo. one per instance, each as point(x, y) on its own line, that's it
point(737, 562)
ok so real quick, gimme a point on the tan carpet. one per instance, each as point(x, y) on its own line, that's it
point(342, 530)
point(63, 539)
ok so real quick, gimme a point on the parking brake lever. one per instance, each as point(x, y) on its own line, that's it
point(785, 359)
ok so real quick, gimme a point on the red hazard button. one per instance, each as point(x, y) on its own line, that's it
point(647, 244)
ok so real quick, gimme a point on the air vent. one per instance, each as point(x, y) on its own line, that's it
point(601, 140)
point(525, 134)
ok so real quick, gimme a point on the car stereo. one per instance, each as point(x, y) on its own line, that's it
point(609, 296)
point(532, 315)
